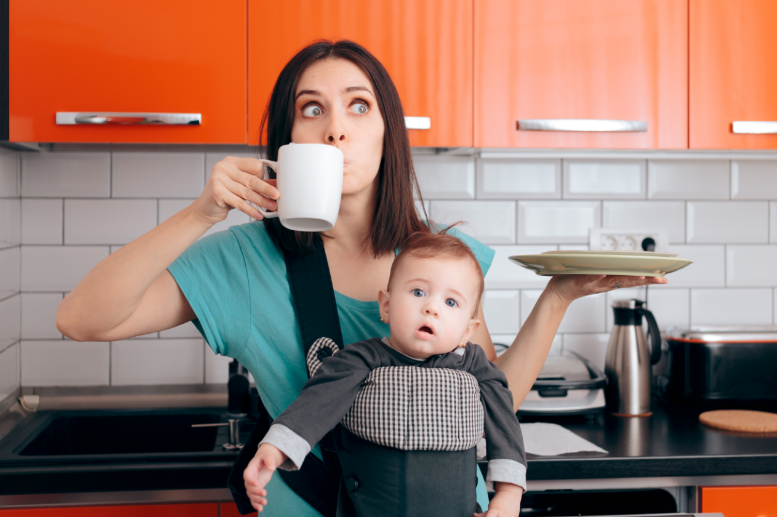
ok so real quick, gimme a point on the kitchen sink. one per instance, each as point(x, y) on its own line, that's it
point(124, 434)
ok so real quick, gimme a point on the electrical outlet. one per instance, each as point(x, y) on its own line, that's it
point(611, 239)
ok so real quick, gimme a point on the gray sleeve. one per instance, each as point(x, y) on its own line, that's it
point(289, 443)
point(328, 395)
point(504, 441)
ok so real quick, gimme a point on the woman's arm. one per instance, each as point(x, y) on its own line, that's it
point(522, 362)
point(130, 292)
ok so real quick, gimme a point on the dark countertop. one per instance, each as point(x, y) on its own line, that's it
point(671, 442)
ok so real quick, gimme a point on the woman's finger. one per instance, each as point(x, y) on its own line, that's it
point(242, 205)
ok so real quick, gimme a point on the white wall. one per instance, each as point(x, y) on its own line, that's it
point(77, 207)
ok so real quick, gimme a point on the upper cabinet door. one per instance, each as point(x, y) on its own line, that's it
point(733, 78)
point(108, 68)
point(581, 73)
point(426, 46)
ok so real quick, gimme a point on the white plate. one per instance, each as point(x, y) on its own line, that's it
point(628, 263)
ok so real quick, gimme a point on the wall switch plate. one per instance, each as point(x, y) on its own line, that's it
point(611, 239)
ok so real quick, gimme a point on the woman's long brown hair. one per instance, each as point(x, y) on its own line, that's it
point(395, 216)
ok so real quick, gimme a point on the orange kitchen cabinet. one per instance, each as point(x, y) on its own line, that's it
point(426, 46)
point(740, 501)
point(143, 56)
point(155, 510)
point(733, 73)
point(228, 510)
point(554, 60)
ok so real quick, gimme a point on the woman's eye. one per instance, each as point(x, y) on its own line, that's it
point(359, 108)
point(311, 111)
point(418, 292)
point(450, 302)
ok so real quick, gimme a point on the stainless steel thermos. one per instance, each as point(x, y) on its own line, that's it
point(630, 355)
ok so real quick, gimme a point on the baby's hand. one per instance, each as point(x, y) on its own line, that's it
point(259, 472)
point(505, 503)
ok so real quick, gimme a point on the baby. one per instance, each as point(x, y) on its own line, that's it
point(412, 406)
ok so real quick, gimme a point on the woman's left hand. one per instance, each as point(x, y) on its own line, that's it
point(572, 287)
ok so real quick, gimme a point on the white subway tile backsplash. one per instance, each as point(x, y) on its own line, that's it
point(10, 321)
point(665, 216)
point(671, 307)
point(10, 222)
point(751, 266)
point(505, 274)
point(42, 221)
point(600, 179)
point(445, 177)
point(591, 346)
point(754, 179)
point(160, 361)
point(182, 331)
point(216, 367)
point(773, 222)
point(728, 222)
point(212, 159)
point(688, 179)
point(9, 174)
point(170, 207)
point(707, 270)
point(731, 306)
point(58, 268)
point(9, 272)
point(557, 221)
point(502, 311)
point(66, 174)
point(39, 313)
point(64, 363)
point(108, 221)
point(583, 315)
point(163, 174)
point(491, 222)
point(518, 179)
point(9, 371)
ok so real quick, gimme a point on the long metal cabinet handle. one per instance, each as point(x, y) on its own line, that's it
point(418, 122)
point(66, 118)
point(754, 127)
point(592, 125)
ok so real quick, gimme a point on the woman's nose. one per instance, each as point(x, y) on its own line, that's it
point(335, 132)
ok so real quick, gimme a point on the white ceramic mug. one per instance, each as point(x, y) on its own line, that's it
point(310, 180)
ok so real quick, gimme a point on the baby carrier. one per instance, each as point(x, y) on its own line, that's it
point(405, 445)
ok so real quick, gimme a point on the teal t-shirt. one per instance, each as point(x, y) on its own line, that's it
point(236, 283)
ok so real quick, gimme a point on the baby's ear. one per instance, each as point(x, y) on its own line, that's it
point(383, 304)
point(472, 327)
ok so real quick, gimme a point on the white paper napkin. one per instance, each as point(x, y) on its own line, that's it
point(544, 439)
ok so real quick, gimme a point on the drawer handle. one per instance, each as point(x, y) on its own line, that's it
point(418, 122)
point(750, 127)
point(592, 125)
point(128, 119)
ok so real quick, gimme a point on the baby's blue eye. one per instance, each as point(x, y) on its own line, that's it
point(450, 302)
point(419, 293)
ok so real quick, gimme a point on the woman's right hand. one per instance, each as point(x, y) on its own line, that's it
point(233, 183)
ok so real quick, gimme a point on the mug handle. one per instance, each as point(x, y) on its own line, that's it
point(266, 213)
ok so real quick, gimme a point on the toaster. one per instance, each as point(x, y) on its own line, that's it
point(705, 365)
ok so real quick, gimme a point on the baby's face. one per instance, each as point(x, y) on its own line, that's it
point(430, 305)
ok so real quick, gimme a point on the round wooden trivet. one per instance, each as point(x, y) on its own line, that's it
point(740, 420)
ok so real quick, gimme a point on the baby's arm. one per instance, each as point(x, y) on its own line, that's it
point(259, 471)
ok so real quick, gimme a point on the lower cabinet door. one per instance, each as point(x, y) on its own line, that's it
point(740, 501)
point(153, 510)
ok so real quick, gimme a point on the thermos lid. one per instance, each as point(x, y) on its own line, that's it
point(723, 334)
point(628, 304)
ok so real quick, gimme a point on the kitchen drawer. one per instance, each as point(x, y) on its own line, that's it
point(740, 501)
point(155, 510)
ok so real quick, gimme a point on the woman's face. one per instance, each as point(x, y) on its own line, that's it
point(336, 105)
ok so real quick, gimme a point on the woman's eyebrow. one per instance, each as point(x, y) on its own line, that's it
point(359, 89)
point(306, 92)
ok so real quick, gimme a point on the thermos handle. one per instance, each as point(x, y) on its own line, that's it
point(655, 335)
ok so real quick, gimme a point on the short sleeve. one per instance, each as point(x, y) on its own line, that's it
point(213, 277)
point(483, 253)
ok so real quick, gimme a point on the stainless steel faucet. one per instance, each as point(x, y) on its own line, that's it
point(238, 404)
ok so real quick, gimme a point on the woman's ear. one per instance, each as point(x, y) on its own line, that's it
point(472, 327)
point(383, 304)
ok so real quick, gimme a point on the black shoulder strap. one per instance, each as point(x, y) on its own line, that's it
point(313, 295)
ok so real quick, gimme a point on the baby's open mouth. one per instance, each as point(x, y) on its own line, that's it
point(426, 329)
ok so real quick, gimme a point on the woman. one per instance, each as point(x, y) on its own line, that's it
point(233, 284)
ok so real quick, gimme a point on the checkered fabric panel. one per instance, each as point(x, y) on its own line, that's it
point(411, 408)
point(313, 360)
